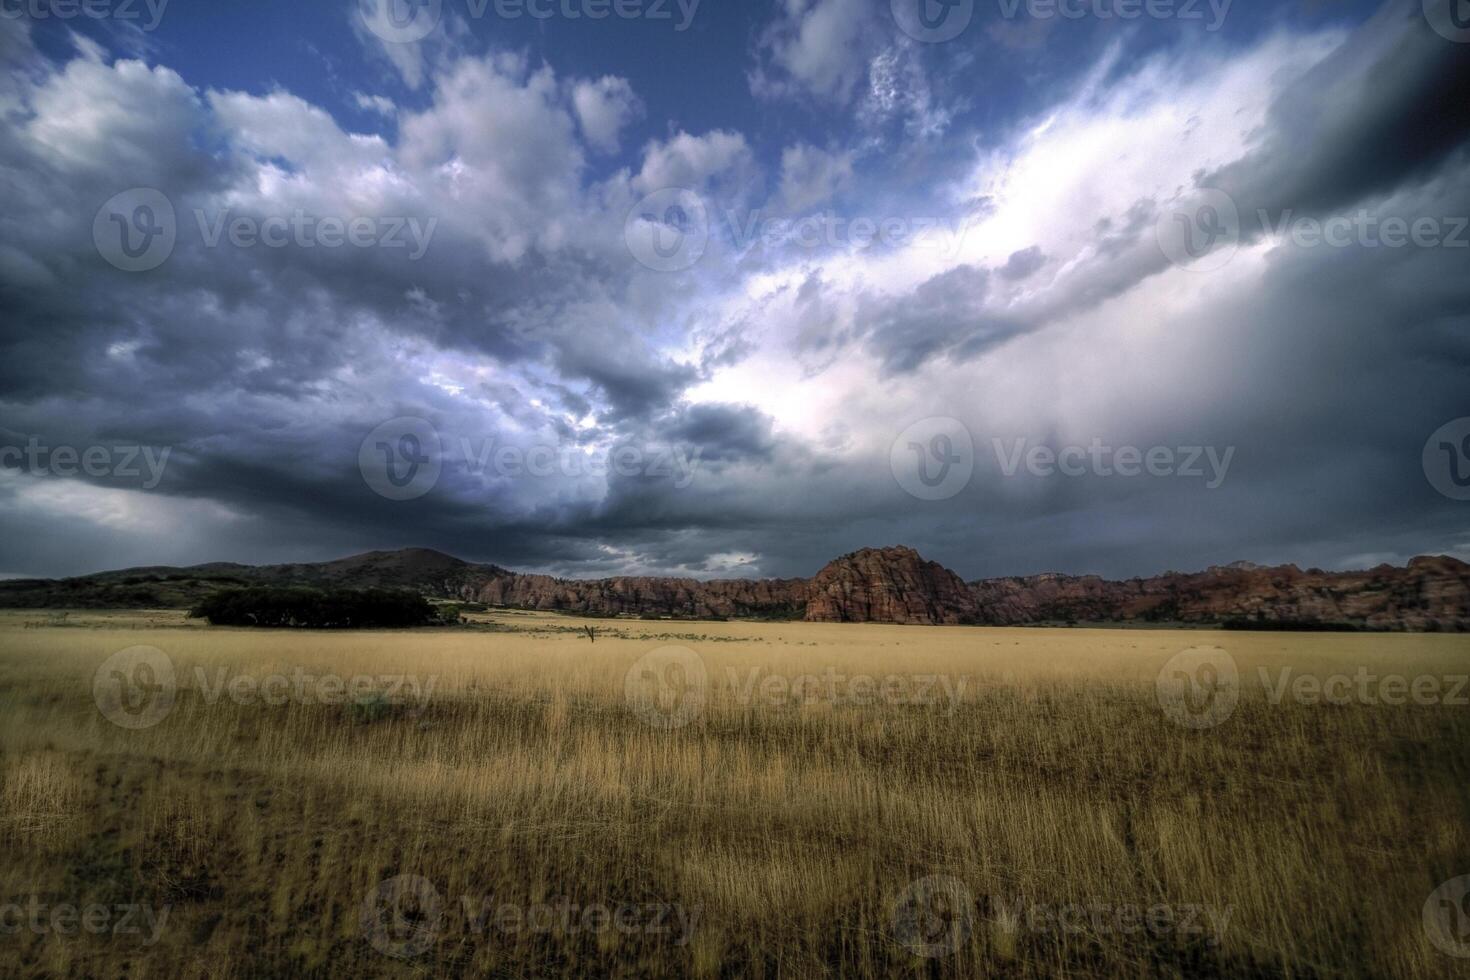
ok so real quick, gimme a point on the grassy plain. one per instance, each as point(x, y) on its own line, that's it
point(1017, 802)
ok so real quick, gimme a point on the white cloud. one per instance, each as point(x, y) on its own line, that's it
point(899, 89)
point(810, 176)
point(1089, 160)
point(382, 105)
point(693, 161)
point(373, 24)
point(499, 147)
point(97, 120)
point(603, 108)
point(815, 47)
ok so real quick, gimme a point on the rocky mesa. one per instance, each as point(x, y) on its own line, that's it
point(878, 585)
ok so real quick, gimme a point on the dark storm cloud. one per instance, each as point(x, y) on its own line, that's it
point(723, 433)
point(1023, 263)
point(633, 385)
point(942, 315)
point(1313, 468)
point(214, 296)
point(1388, 107)
point(526, 324)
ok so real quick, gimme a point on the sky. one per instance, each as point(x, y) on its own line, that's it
point(718, 288)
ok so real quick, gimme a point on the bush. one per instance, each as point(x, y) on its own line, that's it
point(298, 608)
point(448, 613)
point(370, 708)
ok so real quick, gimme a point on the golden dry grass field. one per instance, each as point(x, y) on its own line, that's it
point(728, 799)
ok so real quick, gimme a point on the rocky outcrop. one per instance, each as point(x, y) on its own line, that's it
point(1431, 593)
point(717, 599)
point(879, 585)
point(888, 585)
point(897, 585)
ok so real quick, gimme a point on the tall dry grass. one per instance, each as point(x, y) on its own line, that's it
point(1303, 839)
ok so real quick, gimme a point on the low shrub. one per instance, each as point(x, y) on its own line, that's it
point(300, 608)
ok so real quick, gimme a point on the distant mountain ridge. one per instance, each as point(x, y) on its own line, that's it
point(881, 585)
